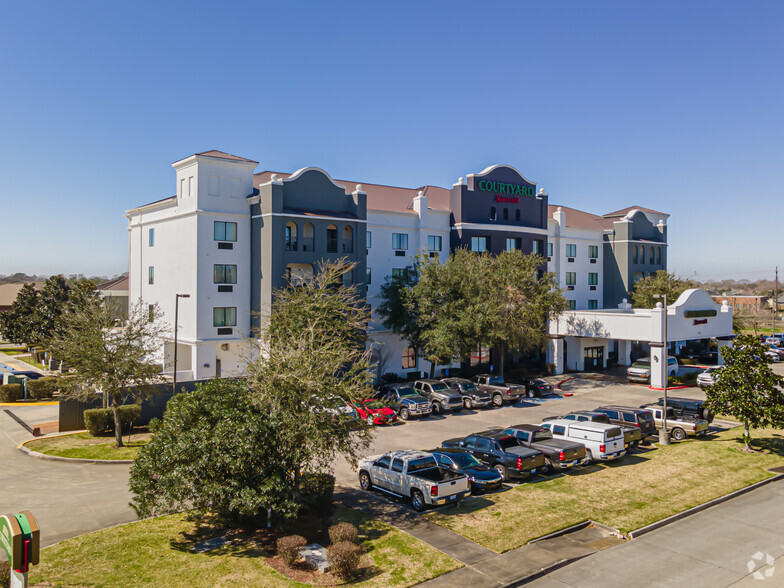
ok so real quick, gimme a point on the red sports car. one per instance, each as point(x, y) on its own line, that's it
point(375, 412)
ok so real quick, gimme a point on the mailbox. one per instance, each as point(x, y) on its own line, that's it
point(20, 538)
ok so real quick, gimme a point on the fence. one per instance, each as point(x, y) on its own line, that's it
point(153, 404)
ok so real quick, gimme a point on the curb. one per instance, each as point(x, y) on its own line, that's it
point(577, 527)
point(21, 404)
point(21, 447)
point(558, 385)
point(700, 507)
point(671, 388)
point(544, 571)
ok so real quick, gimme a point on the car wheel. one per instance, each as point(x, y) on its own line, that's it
point(530, 393)
point(468, 403)
point(417, 501)
point(404, 414)
point(635, 444)
point(501, 470)
point(498, 400)
point(589, 455)
point(548, 466)
point(436, 408)
point(678, 434)
point(369, 420)
point(364, 481)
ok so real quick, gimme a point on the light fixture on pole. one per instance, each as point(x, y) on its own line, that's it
point(664, 435)
point(176, 317)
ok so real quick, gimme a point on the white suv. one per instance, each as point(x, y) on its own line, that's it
point(640, 370)
point(707, 378)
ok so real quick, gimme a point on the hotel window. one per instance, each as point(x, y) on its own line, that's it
point(536, 247)
point(348, 279)
point(571, 278)
point(151, 237)
point(400, 241)
point(572, 305)
point(593, 304)
point(225, 231)
point(652, 257)
point(368, 239)
point(593, 279)
point(506, 214)
point(348, 239)
point(409, 358)
point(593, 251)
point(478, 244)
point(512, 244)
point(635, 256)
point(480, 355)
point(517, 215)
point(571, 251)
point(493, 215)
point(658, 255)
point(151, 275)
point(150, 313)
point(224, 274)
point(332, 239)
point(290, 235)
point(549, 249)
point(224, 316)
point(399, 272)
point(434, 243)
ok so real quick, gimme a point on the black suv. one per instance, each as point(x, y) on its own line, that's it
point(502, 452)
point(688, 406)
point(631, 417)
point(404, 400)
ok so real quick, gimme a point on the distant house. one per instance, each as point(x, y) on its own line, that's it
point(117, 290)
point(9, 292)
point(745, 304)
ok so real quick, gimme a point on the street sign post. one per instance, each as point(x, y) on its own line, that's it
point(20, 539)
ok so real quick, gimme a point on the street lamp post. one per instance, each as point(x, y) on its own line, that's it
point(664, 435)
point(176, 317)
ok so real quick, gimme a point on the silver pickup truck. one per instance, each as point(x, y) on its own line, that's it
point(679, 425)
point(415, 475)
point(499, 390)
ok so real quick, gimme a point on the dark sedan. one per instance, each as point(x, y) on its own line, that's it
point(483, 478)
point(536, 387)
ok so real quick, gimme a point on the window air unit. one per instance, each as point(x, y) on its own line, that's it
point(593, 287)
point(400, 253)
point(225, 289)
point(593, 260)
point(224, 331)
point(225, 245)
point(570, 259)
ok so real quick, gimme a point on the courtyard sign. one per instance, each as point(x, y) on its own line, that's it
point(503, 188)
point(699, 313)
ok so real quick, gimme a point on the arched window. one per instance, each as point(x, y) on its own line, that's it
point(332, 239)
point(658, 255)
point(296, 273)
point(493, 215)
point(409, 358)
point(348, 239)
point(517, 215)
point(506, 214)
point(652, 257)
point(290, 232)
point(307, 237)
point(635, 257)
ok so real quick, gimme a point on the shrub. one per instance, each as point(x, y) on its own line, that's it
point(98, 421)
point(130, 413)
point(5, 573)
point(42, 387)
point(10, 392)
point(289, 546)
point(344, 559)
point(390, 378)
point(154, 425)
point(317, 490)
point(343, 532)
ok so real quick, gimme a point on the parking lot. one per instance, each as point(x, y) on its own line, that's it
point(588, 393)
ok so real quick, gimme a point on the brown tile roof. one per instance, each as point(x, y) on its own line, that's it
point(116, 284)
point(379, 196)
point(222, 155)
point(8, 292)
point(625, 211)
point(580, 219)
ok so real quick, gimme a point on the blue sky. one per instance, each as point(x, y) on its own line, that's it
point(675, 106)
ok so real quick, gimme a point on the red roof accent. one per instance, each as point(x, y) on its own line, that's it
point(580, 219)
point(625, 211)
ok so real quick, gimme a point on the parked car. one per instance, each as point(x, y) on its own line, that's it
point(414, 475)
point(631, 435)
point(679, 425)
point(559, 454)
point(376, 412)
point(498, 389)
point(30, 375)
point(707, 378)
point(772, 356)
point(602, 442)
point(442, 398)
point(536, 387)
point(502, 452)
point(483, 478)
point(336, 407)
point(776, 349)
point(631, 417)
point(691, 406)
point(640, 370)
point(473, 397)
point(404, 400)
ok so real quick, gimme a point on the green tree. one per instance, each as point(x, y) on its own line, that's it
point(747, 388)
point(310, 362)
point(659, 283)
point(395, 313)
point(216, 450)
point(17, 324)
point(107, 356)
point(52, 298)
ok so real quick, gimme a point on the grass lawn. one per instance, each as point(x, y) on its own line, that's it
point(85, 446)
point(157, 552)
point(13, 350)
point(627, 494)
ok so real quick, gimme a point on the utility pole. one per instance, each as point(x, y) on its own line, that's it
point(775, 302)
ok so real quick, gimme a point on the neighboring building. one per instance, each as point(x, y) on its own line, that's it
point(229, 237)
point(747, 304)
point(9, 292)
point(117, 291)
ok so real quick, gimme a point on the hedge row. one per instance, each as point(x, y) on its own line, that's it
point(10, 392)
point(100, 421)
point(42, 387)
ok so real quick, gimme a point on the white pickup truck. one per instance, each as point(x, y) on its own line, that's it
point(415, 475)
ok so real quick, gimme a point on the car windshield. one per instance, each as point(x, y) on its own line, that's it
point(468, 387)
point(543, 435)
point(645, 416)
point(439, 386)
point(496, 381)
point(407, 392)
point(464, 460)
point(642, 363)
point(540, 382)
point(423, 463)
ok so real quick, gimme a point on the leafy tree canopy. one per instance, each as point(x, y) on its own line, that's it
point(659, 283)
point(747, 388)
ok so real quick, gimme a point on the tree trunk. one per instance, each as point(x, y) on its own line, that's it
point(747, 435)
point(432, 370)
point(501, 359)
point(117, 425)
